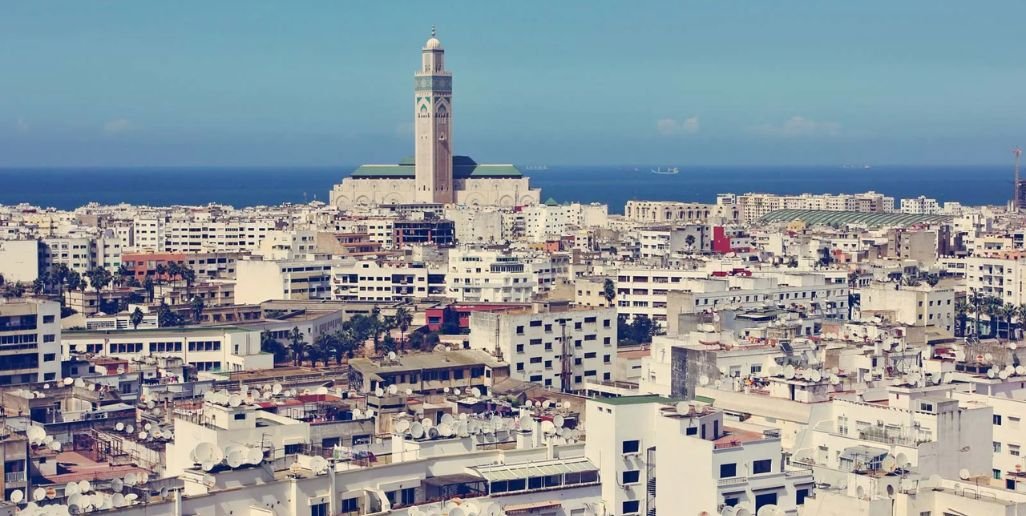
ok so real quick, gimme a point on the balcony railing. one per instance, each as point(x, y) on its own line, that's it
point(14, 476)
point(732, 481)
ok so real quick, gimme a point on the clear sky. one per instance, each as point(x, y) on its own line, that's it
point(567, 82)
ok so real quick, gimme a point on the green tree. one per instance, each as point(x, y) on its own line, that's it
point(269, 344)
point(197, 305)
point(403, 319)
point(296, 345)
point(609, 291)
point(167, 317)
point(148, 287)
point(99, 278)
point(123, 275)
point(136, 318)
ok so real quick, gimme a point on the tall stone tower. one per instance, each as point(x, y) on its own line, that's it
point(433, 126)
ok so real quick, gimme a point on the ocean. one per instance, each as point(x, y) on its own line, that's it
point(68, 188)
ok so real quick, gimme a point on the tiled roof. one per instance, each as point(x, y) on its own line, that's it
point(814, 217)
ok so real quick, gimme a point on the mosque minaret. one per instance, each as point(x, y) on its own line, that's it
point(434, 175)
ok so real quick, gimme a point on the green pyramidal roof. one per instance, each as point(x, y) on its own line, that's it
point(462, 167)
point(551, 202)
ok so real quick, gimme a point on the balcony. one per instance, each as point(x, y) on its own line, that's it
point(732, 481)
point(14, 477)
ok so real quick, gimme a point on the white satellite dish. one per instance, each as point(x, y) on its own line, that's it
point(416, 430)
point(1020, 370)
point(71, 489)
point(116, 485)
point(889, 463)
point(991, 373)
point(1003, 374)
point(69, 381)
point(703, 380)
point(393, 389)
point(963, 474)
point(816, 376)
point(17, 496)
point(392, 356)
point(559, 421)
point(234, 400)
point(38, 494)
point(447, 419)
point(433, 433)
point(276, 389)
point(988, 357)
point(379, 392)
point(357, 414)
point(789, 372)
point(409, 392)
point(457, 391)
point(119, 426)
point(402, 426)
point(118, 500)
point(475, 392)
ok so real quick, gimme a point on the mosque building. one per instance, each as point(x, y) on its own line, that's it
point(435, 175)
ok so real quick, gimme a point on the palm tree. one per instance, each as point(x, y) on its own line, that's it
point(148, 287)
point(962, 309)
point(910, 281)
point(197, 307)
point(403, 319)
point(136, 318)
point(992, 308)
point(1008, 312)
point(99, 278)
point(122, 275)
point(388, 323)
point(160, 271)
point(269, 344)
point(296, 344)
point(609, 291)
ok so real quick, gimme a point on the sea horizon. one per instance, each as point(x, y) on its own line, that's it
point(68, 187)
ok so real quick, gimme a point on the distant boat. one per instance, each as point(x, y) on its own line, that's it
point(536, 167)
point(667, 172)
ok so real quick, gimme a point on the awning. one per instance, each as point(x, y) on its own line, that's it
point(529, 508)
point(502, 472)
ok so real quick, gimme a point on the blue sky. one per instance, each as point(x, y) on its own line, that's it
point(568, 82)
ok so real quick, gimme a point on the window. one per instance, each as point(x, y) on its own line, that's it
point(631, 477)
point(997, 447)
point(320, 509)
point(291, 449)
point(762, 466)
point(631, 506)
point(350, 505)
point(520, 348)
point(631, 446)
point(47, 319)
point(49, 357)
point(520, 330)
point(1013, 450)
point(240, 417)
point(800, 496)
point(730, 502)
point(691, 430)
point(728, 470)
point(997, 419)
point(765, 499)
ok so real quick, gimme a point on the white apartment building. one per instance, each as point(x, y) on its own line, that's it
point(1002, 278)
point(19, 260)
point(656, 293)
point(753, 206)
point(193, 233)
point(257, 281)
point(543, 222)
point(216, 349)
point(921, 205)
point(654, 457)
point(77, 253)
point(1008, 426)
point(387, 282)
point(915, 306)
point(535, 342)
point(479, 224)
point(483, 275)
point(682, 212)
point(30, 336)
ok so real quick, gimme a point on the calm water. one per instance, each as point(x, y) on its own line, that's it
point(68, 188)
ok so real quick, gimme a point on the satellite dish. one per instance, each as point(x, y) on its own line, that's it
point(118, 500)
point(254, 456)
point(357, 414)
point(276, 389)
point(1020, 370)
point(902, 460)
point(528, 403)
point(445, 390)
point(392, 356)
point(379, 392)
point(889, 463)
point(143, 435)
point(558, 420)
point(789, 372)
point(475, 392)
point(703, 380)
point(17, 496)
point(991, 373)
point(416, 430)
point(130, 429)
point(402, 426)
point(393, 389)
point(38, 494)
point(1003, 374)
point(208, 465)
point(1013, 346)
point(409, 392)
point(234, 400)
point(816, 376)
point(79, 382)
point(433, 433)
point(71, 489)
point(116, 485)
point(963, 474)
point(988, 357)
point(54, 445)
point(447, 419)
point(119, 427)
point(960, 355)
point(457, 391)
point(69, 381)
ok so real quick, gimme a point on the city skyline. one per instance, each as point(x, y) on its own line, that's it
point(689, 84)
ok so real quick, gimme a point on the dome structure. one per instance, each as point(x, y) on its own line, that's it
point(433, 43)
